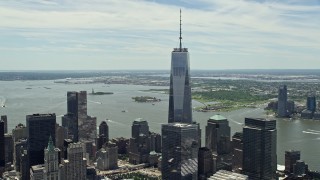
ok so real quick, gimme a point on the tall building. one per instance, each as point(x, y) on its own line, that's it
point(39, 127)
point(282, 101)
point(180, 145)
point(107, 157)
point(259, 148)
point(180, 87)
point(104, 130)
point(51, 162)
point(8, 144)
point(218, 135)
point(78, 123)
point(2, 147)
point(5, 120)
point(237, 157)
point(139, 126)
point(74, 168)
point(140, 142)
point(205, 163)
point(291, 157)
point(311, 103)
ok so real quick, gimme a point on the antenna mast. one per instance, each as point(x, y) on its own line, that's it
point(180, 33)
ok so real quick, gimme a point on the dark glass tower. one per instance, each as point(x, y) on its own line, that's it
point(103, 134)
point(282, 101)
point(259, 149)
point(180, 89)
point(40, 127)
point(180, 145)
point(2, 147)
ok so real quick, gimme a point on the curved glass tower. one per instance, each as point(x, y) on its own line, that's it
point(180, 89)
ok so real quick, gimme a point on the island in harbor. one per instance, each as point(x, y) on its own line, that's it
point(145, 99)
point(100, 93)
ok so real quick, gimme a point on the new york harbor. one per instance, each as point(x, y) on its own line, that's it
point(148, 90)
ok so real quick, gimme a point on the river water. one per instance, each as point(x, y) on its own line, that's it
point(28, 97)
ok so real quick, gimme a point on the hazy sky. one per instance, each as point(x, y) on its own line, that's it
point(140, 34)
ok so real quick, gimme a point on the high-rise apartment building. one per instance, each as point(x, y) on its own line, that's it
point(311, 103)
point(39, 127)
point(259, 148)
point(180, 87)
point(218, 135)
point(180, 145)
point(282, 101)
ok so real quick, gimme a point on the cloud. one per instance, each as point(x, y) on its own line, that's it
point(270, 29)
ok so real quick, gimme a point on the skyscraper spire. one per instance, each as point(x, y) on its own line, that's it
point(180, 33)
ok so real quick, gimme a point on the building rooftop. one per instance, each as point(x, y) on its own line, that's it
point(218, 117)
point(228, 175)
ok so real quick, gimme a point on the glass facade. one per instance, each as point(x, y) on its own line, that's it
point(180, 89)
point(180, 145)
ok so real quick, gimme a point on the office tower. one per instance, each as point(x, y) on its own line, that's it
point(300, 168)
point(218, 135)
point(205, 163)
point(291, 157)
point(103, 134)
point(66, 143)
point(180, 87)
point(180, 145)
point(311, 103)
point(107, 157)
point(5, 120)
point(282, 101)
point(2, 148)
point(61, 135)
point(122, 144)
point(19, 147)
point(51, 162)
point(37, 172)
point(259, 148)
point(228, 175)
point(24, 165)
point(75, 166)
point(8, 144)
point(78, 123)
point(140, 142)
point(155, 142)
point(237, 158)
point(19, 132)
point(40, 127)
point(139, 126)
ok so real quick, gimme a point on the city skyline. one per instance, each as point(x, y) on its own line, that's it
point(98, 35)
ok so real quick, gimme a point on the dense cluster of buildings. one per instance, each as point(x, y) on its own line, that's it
point(74, 151)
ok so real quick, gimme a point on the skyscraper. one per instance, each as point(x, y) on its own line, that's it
point(311, 103)
point(205, 163)
point(40, 127)
point(75, 166)
point(78, 123)
point(282, 101)
point(259, 148)
point(291, 157)
point(51, 162)
point(180, 87)
point(139, 126)
point(2, 147)
point(180, 145)
point(5, 120)
point(237, 153)
point(218, 135)
point(103, 134)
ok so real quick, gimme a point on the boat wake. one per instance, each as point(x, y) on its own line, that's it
point(239, 123)
point(117, 123)
point(96, 102)
point(311, 132)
